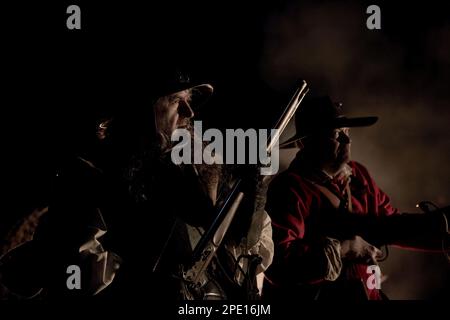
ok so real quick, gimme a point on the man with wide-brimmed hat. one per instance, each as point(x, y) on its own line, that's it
point(329, 217)
point(113, 197)
point(126, 214)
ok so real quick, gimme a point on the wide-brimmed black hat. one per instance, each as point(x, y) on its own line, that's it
point(318, 114)
point(172, 80)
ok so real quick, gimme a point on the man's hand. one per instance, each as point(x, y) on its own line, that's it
point(358, 249)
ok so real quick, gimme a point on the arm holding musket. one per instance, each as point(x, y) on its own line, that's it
point(427, 231)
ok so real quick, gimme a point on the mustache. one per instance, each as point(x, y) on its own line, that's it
point(189, 126)
point(186, 125)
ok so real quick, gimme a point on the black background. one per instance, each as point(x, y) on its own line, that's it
point(55, 80)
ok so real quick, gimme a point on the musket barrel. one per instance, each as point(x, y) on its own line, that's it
point(288, 113)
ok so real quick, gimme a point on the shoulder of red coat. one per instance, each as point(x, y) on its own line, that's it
point(359, 169)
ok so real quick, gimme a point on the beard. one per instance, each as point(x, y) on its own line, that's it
point(140, 171)
point(210, 175)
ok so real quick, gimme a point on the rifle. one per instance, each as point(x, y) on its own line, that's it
point(195, 274)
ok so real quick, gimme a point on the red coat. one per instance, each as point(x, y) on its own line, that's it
point(292, 202)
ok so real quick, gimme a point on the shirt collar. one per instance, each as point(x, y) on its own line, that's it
point(317, 175)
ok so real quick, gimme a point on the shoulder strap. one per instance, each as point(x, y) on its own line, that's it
point(333, 198)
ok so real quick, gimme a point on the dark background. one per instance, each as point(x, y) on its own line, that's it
point(55, 81)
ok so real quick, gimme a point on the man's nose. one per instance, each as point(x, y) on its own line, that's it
point(185, 110)
point(343, 138)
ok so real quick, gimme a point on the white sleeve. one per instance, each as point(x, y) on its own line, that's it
point(333, 254)
point(263, 246)
point(101, 265)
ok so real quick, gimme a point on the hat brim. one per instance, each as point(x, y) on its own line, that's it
point(344, 122)
point(201, 93)
point(290, 143)
point(341, 122)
